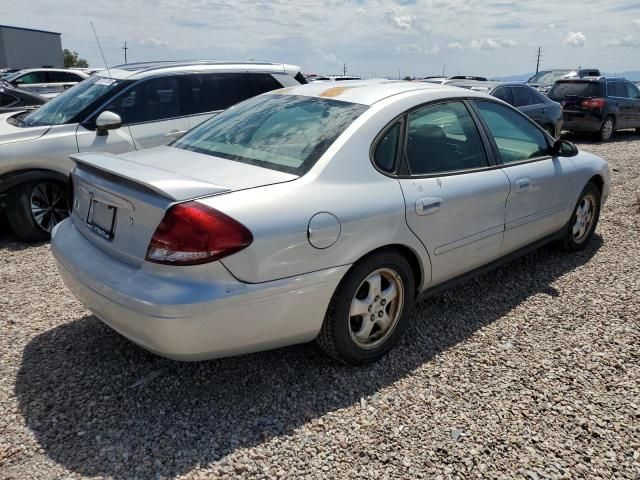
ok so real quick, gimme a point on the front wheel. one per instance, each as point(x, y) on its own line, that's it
point(369, 310)
point(34, 208)
point(583, 220)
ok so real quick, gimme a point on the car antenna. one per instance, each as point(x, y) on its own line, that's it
point(101, 52)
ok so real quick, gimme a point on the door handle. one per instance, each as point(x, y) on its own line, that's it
point(174, 133)
point(428, 205)
point(523, 185)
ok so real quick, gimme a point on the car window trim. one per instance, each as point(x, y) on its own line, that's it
point(406, 173)
point(495, 145)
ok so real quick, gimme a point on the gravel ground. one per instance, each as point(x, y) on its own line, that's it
point(531, 371)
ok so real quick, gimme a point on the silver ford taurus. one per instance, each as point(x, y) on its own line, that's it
point(317, 212)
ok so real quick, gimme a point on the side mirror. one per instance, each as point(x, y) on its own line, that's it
point(564, 148)
point(107, 121)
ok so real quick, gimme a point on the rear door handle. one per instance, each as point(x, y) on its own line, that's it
point(523, 185)
point(428, 205)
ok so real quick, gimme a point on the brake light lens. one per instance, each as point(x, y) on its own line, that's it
point(594, 103)
point(191, 234)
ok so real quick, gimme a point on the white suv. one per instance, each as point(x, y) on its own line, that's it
point(48, 82)
point(130, 107)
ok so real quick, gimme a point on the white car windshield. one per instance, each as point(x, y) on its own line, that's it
point(66, 107)
point(288, 133)
point(549, 77)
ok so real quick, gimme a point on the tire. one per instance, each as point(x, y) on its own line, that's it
point(607, 129)
point(579, 232)
point(344, 336)
point(35, 207)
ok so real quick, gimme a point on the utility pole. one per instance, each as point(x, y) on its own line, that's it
point(344, 69)
point(444, 67)
point(125, 48)
point(538, 62)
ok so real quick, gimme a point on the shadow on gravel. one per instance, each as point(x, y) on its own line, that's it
point(8, 240)
point(74, 386)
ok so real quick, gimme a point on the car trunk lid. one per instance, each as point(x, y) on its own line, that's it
point(119, 200)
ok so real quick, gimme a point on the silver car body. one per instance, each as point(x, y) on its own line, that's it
point(48, 86)
point(276, 291)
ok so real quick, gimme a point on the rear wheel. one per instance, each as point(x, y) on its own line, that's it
point(370, 309)
point(584, 219)
point(607, 129)
point(34, 208)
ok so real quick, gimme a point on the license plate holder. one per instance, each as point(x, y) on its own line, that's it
point(101, 219)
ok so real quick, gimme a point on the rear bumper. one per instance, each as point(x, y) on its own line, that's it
point(582, 121)
point(205, 313)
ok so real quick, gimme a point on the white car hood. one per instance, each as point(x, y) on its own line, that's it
point(10, 133)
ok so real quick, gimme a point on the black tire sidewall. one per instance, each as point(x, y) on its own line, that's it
point(19, 211)
point(347, 350)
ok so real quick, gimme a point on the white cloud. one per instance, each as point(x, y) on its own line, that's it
point(413, 48)
point(454, 46)
point(575, 39)
point(405, 22)
point(626, 41)
point(490, 44)
point(153, 42)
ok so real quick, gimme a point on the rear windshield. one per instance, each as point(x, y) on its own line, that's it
point(562, 90)
point(288, 133)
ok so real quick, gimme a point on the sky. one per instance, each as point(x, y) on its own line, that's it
point(374, 38)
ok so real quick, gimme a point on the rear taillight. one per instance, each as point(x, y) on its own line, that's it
point(594, 103)
point(191, 233)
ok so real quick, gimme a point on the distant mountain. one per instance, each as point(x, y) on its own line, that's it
point(633, 75)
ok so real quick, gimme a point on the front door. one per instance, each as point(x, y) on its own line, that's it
point(455, 201)
point(539, 199)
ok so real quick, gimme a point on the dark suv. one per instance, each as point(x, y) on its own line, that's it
point(600, 105)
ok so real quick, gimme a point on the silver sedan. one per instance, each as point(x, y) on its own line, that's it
point(317, 212)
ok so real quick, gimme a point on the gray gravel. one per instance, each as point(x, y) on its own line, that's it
point(532, 371)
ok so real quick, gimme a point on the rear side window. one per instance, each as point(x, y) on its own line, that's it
point(386, 150)
point(516, 137)
point(443, 138)
point(504, 93)
point(562, 90)
point(288, 133)
point(263, 82)
point(148, 101)
point(616, 89)
point(60, 77)
point(215, 91)
point(522, 97)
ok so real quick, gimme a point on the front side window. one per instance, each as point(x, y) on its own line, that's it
point(76, 103)
point(443, 138)
point(633, 91)
point(516, 137)
point(288, 133)
point(148, 101)
point(386, 150)
point(522, 97)
point(30, 78)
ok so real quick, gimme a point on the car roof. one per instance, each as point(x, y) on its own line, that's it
point(137, 71)
point(368, 92)
point(29, 70)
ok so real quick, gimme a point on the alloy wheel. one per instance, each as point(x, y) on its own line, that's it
point(376, 308)
point(607, 129)
point(48, 205)
point(584, 216)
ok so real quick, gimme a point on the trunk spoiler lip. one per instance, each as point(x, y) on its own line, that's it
point(171, 185)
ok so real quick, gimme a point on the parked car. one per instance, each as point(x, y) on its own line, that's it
point(47, 82)
point(14, 99)
point(318, 213)
point(544, 80)
point(599, 104)
point(5, 72)
point(453, 79)
point(541, 109)
point(130, 107)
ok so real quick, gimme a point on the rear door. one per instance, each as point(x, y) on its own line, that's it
point(617, 94)
point(633, 94)
point(539, 201)
point(151, 109)
point(455, 201)
point(504, 94)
